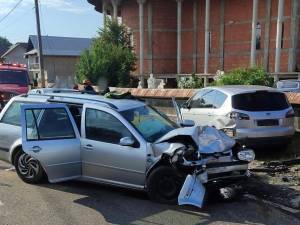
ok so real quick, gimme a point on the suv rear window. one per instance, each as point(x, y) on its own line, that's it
point(260, 101)
point(14, 77)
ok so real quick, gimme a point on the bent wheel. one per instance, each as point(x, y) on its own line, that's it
point(164, 184)
point(28, 168)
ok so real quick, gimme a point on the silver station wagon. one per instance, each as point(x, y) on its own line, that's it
point(124, 142)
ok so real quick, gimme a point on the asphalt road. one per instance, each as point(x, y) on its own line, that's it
point(81, 203)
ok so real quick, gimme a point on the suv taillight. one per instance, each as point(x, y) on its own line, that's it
point(290, 114)
point(238, 116)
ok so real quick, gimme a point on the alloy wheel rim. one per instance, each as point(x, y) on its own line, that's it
point(28, 166)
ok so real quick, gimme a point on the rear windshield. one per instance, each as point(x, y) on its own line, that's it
point(14, 77)
point(260, 101)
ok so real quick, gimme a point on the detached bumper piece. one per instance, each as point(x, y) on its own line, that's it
point(216, 174)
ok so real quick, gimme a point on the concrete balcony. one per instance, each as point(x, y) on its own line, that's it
point(34, 66)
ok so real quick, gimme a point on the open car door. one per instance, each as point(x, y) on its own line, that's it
point(50, 135)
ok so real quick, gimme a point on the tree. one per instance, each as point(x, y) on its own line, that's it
point(110, 56)
point(4, 45)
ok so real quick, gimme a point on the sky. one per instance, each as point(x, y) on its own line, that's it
point(66, 18)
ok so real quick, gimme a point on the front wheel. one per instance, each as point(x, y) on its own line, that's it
point(28, 168)
point(164, 184)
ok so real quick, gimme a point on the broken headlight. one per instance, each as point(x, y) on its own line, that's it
point(246, 155)
point(230, 132)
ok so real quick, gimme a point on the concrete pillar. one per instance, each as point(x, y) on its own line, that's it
point(222, 31)
point(179, 30)
point(207, 29)
point(115, 4)
point(104, 11)
point(253, 37)
point(279, 35)
point(141, 28)
point(294, 35)
point(195, 34)
point(150, 37)
point(267, 34)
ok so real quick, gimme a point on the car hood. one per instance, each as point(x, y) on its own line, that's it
point(208, 139)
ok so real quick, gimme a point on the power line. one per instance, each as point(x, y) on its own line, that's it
point(3, 18)
point(16, 20)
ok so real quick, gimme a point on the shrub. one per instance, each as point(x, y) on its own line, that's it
point(245, 76)
point(192, 82)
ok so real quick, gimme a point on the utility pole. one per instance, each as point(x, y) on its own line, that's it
point(41, 59)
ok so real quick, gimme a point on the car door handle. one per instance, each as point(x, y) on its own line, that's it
point(89, 147)
point(36, 149)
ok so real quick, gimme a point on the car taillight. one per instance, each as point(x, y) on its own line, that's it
point(290, 114)
point(239, 116)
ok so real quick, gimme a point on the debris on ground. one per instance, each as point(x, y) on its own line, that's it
point(276, 181)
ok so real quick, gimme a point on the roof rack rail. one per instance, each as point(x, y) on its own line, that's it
point(52, 98)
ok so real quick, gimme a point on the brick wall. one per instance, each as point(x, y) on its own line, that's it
point(237, 34)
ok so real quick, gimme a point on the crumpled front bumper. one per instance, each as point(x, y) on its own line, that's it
point(226, 170)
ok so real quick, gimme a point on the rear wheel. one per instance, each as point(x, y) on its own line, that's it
point(28, 168)
point(164, 184)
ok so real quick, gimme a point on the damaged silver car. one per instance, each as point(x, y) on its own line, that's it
point(120, 142)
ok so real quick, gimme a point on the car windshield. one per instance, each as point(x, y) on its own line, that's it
point(14, 77)
point(150, 124)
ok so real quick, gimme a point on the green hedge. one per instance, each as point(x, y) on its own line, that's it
point(245, 76)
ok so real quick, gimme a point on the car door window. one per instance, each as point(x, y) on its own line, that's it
point(196, 101)
point(47, 124)
point(219, 99)
point(104, 127)
point(203, 99)
point(12, 114)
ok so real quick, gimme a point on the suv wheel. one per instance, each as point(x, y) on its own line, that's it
point(164, 184)
point(28, 168)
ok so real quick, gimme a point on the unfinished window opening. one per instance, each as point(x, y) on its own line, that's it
point(282, 36)
point(258, 36)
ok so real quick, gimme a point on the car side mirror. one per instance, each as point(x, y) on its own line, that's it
point(187, 123)
point(127, 141)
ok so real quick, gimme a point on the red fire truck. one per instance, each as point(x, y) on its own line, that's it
point(14, 80)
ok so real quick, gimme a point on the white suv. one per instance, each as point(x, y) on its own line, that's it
point(255, 115)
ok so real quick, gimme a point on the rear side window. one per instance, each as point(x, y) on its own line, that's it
point(220, 98)
point(260, 101)
point(12, 114)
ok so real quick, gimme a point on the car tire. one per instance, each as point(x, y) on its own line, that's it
point(164, 185)
point(28, 168)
